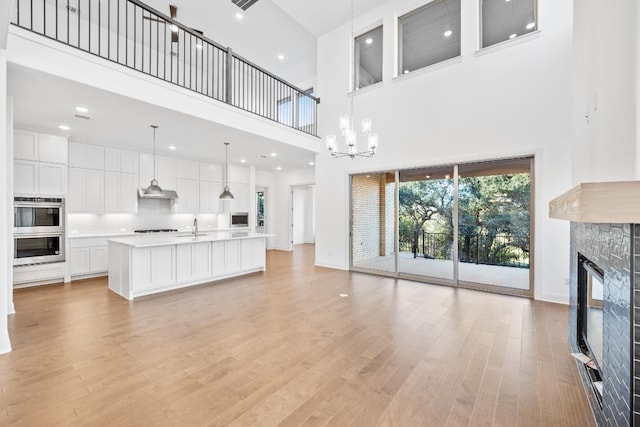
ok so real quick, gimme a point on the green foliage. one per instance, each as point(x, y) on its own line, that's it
point(493, 215)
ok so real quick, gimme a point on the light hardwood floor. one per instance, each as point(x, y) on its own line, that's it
point(284, 348)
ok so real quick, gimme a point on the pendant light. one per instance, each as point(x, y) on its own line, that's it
point(347, 128)
point(226, 194)
point(154, 190)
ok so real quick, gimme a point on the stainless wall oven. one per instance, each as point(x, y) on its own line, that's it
point(38, 230)
point(38, 248)
point(38, 215)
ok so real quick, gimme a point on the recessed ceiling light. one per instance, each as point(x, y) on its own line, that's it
point(311, 163)
point(280, 57)
point(369, 40)
point(530, 25)
point(279, 168)
point(82, 110)
point(172, 147)
point(344, 295)
point(513, 36)
point(448, 33)
point(64, 127)
point(406, 71)
point(273, 154)
point(427, 176)
point(239, 16)
point(243, 160)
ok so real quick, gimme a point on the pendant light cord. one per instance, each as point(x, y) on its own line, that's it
point(226, 163)
point(154, 150)
point(353, 40)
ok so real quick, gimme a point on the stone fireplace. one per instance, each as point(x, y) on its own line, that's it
point(605, 231)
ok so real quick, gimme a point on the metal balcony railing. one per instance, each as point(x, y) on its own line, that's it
point(139, 37)
point(501, 249)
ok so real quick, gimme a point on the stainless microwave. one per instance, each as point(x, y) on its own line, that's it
point(239, 220)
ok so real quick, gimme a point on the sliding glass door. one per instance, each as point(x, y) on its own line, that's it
point(426, 222)
point(494, 223)
point(466, 224)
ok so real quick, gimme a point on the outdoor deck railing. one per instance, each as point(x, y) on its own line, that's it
point(501, 249)
point(134, 35)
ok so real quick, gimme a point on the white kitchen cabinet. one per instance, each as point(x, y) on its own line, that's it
point(233, 256)
point(120, 192)
point(98, 259)
point(86, 156)
point(25, 145)
point(25, 177)
point(153, 267)
point(218, 258)
point(210, 172)
point(28, 145)
point(94, 191)
point(111, 159)
point(238, 174)
point(77, 154)
point(52, 179)
point(193, 261)
point(188, 193)
point(253, 253)
point(187, 169)
point(209, 193)
point(52, 149)
point(129, 162)
point(116, 160)
point(39, 178)
point(79, 262)
point(88, 256)
point(86, 191)
point(241, 201)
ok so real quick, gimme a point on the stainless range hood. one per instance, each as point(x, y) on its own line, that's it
point(153, 191)
point(162, 195)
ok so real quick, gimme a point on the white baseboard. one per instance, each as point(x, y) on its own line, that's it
point(331, 265)
point(556, 298)
point(11, 309)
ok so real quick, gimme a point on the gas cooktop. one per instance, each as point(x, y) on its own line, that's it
point(159, 230)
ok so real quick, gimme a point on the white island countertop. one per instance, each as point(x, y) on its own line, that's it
point(164, 239)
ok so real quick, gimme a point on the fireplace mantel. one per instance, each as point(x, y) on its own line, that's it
point(599, 202)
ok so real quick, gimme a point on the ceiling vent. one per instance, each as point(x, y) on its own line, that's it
point(244, 4)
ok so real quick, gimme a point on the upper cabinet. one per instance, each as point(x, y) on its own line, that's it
point(29, 145)
point(238, 174)
point(124, 161)
point(86, 156)
point(39, 166)
point(210, 172)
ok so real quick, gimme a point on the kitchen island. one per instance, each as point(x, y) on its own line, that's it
point(144, 265)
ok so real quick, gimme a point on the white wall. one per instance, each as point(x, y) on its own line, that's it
point(6, 235)
point(508, 100)
point(605, 91)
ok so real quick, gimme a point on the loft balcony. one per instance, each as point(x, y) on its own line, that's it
point(136, 36)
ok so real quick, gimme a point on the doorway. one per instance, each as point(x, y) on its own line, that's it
point(303, 215)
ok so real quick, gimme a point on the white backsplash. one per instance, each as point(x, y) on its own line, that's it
point(152, 214)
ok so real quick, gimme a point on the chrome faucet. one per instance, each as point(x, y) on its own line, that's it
point(195, 226)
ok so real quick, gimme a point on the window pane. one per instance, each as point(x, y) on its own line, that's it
point(429, 35)
point(503, 20)
point(368, 58)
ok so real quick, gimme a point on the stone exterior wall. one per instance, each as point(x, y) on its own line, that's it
point(610, 247)
point(365, 211)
